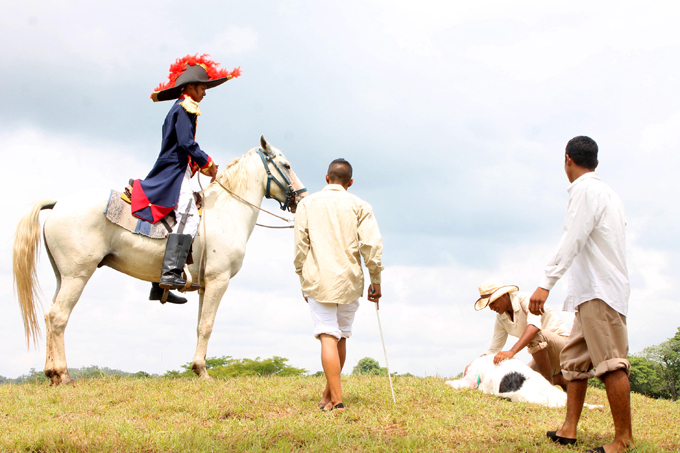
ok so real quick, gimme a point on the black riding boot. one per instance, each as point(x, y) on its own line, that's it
point(157, 293)
point(176, 252)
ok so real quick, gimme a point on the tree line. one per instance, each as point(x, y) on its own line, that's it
point(655, 371)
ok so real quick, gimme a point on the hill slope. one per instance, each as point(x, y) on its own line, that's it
point(280, 414)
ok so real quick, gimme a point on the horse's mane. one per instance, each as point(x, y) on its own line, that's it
point(235, 175)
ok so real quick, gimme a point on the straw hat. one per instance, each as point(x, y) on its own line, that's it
point(491, 290)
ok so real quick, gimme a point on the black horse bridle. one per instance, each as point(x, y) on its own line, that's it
point(291, 194)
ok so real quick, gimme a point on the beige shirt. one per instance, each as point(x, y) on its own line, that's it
point(549, 321)
point(332, 228)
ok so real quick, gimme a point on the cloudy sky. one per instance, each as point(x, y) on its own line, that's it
point(454, 114)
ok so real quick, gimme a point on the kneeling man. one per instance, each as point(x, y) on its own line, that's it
point(545, 335)
point(332, 229)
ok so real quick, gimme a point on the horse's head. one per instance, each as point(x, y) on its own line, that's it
point(282, 183)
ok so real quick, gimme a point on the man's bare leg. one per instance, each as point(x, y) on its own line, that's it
point(330, 360)
point(342, 353)
point(542, 360)
point(576, 396)
point(618, 393)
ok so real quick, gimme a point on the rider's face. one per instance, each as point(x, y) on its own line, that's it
point(196, 91)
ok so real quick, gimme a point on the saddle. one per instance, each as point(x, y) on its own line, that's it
point(118, 211)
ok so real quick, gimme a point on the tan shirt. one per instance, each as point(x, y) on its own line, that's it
point(549, 321)
point(332, 228)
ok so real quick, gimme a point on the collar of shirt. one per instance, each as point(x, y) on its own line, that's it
point(583, 177)
point(515, 308)
point(189, 104)
point(337, 187)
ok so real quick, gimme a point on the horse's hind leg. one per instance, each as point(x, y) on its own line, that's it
point(56, 319)
point(49, 344)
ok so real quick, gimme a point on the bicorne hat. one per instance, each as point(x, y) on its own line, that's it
point(192, 69)
point(491, 290)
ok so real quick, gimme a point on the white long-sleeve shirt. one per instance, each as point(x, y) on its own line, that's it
point(593, 243)
point(333, 228)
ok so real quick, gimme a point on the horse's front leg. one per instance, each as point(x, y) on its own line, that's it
point(209, 302)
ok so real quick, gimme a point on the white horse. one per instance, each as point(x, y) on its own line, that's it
point(79, 238)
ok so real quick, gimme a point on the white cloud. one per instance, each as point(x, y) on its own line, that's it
point(234, 41)
point(458, 113)
point(661, 137)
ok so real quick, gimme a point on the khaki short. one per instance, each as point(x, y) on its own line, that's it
point(551, 341)
point(598, 340)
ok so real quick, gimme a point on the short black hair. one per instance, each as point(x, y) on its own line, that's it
point(340, 171)
point(583, 151)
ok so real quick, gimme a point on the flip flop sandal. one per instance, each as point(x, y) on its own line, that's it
point(339, 406)
point(552, 435)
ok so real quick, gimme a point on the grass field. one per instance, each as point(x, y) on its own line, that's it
point(280, 414)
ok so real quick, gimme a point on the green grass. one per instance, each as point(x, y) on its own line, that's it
point(280, 414)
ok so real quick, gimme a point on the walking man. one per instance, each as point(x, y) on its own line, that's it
point(593, 243)
point(332, 228)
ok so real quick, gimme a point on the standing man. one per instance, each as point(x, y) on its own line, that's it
point(332, 228)
point(167, 187)
point(544, 336)
point(593, 243)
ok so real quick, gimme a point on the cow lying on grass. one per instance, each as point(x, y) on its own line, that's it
point(511, 379)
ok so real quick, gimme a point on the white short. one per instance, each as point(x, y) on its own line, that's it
point(332, 319)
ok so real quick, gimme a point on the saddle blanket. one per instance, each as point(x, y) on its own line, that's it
point(120, 213)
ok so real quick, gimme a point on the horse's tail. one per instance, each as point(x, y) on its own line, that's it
point(26, 252)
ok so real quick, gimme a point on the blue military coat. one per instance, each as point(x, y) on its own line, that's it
point(156, 196)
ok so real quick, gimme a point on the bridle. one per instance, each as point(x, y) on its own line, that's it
point(291, 194)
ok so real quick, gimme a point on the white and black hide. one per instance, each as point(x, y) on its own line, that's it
point(511, 379)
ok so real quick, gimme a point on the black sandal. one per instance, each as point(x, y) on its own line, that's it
point(552, 435)
point(337, 406)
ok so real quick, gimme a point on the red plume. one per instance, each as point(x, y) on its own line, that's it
point(211, 67)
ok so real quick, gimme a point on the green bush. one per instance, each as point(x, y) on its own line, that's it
point(369, 367)
point(228, 367)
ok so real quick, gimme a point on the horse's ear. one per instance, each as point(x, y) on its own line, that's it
point(264, 145)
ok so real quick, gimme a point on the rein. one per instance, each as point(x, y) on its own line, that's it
point(290, 195)
point(287, 189)
point(235, 195)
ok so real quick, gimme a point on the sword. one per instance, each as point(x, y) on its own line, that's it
point(183, 220)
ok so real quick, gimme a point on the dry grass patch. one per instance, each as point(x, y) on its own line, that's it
point(281, 414)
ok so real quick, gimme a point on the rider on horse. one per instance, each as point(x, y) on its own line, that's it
point(167, 187)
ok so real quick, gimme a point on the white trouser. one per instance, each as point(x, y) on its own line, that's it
point(186, 197)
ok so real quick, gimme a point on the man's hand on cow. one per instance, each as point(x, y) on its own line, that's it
point(537, 301)
point(503, 355)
